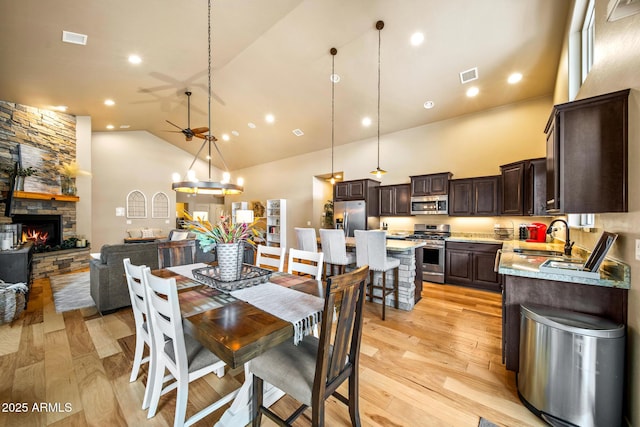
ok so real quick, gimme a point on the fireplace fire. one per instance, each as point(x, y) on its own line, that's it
point(42, 230)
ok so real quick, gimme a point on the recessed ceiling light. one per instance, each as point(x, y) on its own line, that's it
point(429, 105)
point(125, 126)
point(235, 133)
point(297, 132)
point(366, 121)
point(472, 91)
point(514, 78)
point(251, 125)
point(417, 38)
point(135, 59)
point(225, 137)
point(335, 78)
point(269, 118)
point(74, 38)
point(62, 108)
point(110, 127)
point(109, 102)
point(208, 157)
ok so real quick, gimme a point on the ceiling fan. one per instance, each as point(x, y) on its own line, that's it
point(188, 132)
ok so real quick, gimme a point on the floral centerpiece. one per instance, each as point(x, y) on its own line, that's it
point(68, 171)
point(227, 238)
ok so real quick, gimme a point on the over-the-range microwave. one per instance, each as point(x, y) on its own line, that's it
point(430, 205)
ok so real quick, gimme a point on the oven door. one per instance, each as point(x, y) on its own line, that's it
point(433, 263)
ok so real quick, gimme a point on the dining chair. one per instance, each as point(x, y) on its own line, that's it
point(307, 240)
point(140, 308)
point(312, 371)
point(371, 250)
point(334, 248)
point(305, 262)
point(271, 257)
point(179, 353)
point(176, 252)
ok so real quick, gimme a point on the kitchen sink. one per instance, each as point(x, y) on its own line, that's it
point(538, 252)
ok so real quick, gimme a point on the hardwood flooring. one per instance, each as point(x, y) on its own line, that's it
point(438, 365)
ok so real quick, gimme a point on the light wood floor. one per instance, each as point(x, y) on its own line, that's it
point(439, 365)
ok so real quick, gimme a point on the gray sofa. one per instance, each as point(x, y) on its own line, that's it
point(108, 283)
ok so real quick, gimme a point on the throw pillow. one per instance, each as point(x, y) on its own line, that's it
point(147, 233)
point(179, 235)
point(135, 233)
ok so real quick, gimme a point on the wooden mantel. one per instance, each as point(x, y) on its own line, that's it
point(44, 196)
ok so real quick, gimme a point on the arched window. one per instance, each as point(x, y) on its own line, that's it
point(160, 205)
point(136, 204)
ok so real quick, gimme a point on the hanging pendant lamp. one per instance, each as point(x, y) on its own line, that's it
point(377, 171)
point(209, 187)
point(333, 80)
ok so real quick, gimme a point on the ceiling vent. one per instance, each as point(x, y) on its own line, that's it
point(297, 132)
point(75, 38)
point(469, 75)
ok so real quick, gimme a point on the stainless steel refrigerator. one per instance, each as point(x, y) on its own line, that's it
point(352, 215)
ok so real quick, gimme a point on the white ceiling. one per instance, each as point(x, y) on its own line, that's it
point(273, 57)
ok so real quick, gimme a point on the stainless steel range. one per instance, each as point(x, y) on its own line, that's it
point(433, 235)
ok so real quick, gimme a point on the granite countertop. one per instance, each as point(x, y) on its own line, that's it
point(613, 274)
point(392, 244)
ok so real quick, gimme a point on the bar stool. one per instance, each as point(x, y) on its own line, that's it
point(307, 240)
point(334, 247)
point(371, 249)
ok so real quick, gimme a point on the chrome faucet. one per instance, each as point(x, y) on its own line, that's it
point(568, 244)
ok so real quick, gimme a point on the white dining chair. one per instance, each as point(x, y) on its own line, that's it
point(133, 274)
point(271, 257)
point(305, 262)
point(179, 353)
point(371, 249)
point(334, 248)
point(307, 240)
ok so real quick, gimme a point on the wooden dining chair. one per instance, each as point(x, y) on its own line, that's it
point(271, 257)
point(312, 371)
point(305, 262)
point(140, 308)
point(179, 353)
point(176, 252)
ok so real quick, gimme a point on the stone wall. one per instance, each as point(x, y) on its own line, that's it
point(49, 207)
point(48, 264)
point(42, 129)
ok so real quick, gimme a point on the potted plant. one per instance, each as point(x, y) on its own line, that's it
point(68, 171)
point(226, 238)
point(18, 173)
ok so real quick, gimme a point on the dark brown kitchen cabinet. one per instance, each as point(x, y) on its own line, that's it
point(472, 264)
point(523, 187)
point(587, 157)
point(354, 190)
point(430, 185)
point(395, 200)
point(474, 196)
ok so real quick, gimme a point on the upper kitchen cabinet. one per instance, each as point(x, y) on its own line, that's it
point(430, 185)
point(395, 200)
point(474, 196)
point(360, 189)
point(587, 155)
point(524, 187)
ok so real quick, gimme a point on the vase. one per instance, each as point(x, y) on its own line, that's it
point(19, 183)
point(230, 257)
point(68, 186)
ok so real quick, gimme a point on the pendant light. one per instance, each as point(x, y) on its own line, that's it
point(191, 184)
point(377, 171)
point(333, 80)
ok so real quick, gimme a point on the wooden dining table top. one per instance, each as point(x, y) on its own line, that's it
point(238, 331)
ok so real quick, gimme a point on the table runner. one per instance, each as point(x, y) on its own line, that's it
point(187, 270)
point(304, 311)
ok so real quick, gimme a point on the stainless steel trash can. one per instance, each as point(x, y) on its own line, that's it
point(571, 367)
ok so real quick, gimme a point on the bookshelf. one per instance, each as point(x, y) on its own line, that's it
point(277, 222)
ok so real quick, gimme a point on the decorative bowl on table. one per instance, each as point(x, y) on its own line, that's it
point(249, 276)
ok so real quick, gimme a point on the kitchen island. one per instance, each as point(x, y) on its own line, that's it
point(524, 283)
point(405, 251)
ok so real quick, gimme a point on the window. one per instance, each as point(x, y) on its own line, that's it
point(581, 44)
point(588, 32)
point(160, 205)
point(136, 205)
point(581, 220)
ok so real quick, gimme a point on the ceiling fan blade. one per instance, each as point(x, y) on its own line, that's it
point(173, 124)
point(199, 135)
point(200, 130)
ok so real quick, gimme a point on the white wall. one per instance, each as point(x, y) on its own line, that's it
point(471, 145)
point(126, 161)
point(83, 182)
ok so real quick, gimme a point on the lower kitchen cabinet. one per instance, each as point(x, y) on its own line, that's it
point(472, 264)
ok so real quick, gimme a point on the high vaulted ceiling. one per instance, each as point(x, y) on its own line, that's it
point(272, 56)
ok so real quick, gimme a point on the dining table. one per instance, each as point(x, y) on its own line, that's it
point(235, 330)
